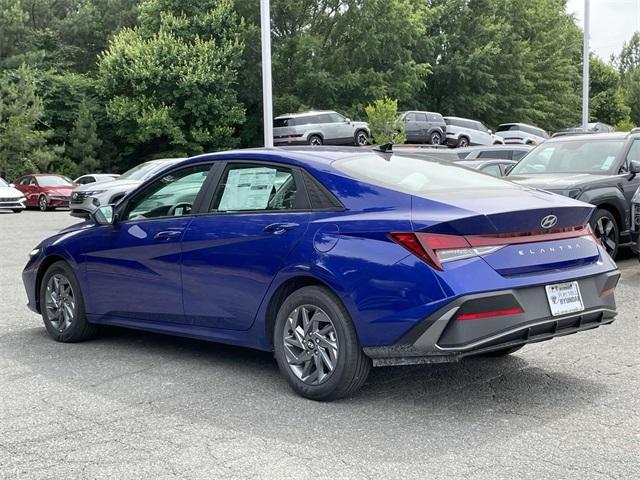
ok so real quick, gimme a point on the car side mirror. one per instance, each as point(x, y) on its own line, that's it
point(12, 185)
point(104, 215)
point(634, 167)
point(347, 120)
point(490, 132)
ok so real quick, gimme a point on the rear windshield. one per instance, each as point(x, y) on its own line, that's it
point(454, 122)
point(570, 156)
point(415, 176)
point(507, 126)
point(143, 171)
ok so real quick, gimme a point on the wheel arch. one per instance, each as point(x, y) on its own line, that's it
point(613, 210)
point(42, 268)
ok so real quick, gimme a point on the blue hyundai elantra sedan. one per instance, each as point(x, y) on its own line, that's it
point(335, 259)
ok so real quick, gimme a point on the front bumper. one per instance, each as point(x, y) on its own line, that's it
point(12, 203)
point(441, 338)
point(56, 202)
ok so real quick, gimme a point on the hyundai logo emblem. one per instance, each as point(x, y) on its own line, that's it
point(549, 222)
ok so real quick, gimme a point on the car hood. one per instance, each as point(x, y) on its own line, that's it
point(10, 192)
point(64, 191)
point(360, 124)
point(558, 181)
point(108, 185)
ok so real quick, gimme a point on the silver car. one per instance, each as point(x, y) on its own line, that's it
point(318, 128)
point(521, 133)
point(11, 198)
point(462, 132)
point(86, 198)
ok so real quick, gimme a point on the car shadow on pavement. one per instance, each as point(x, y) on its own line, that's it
point(208, 382)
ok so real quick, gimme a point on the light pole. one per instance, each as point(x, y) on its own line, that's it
point(585, 68)
point(267, 98)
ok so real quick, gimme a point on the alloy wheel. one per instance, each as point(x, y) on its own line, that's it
point(60, 302)
point(362, 139)
point(606, 233)
point(42, 203)
point(315, 141)
point(310, 344)
point(436, 139)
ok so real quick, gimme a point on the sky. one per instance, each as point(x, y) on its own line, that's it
point(612, 23)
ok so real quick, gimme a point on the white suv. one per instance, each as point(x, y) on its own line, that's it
point(521, 133)
point(462, 132)
point(318, 128)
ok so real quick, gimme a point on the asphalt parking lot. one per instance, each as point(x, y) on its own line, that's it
point(139, 405)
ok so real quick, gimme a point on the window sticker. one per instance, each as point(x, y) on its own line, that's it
point(608, 162)
point(248, 189)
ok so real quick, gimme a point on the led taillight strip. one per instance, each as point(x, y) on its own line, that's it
point(528, 237)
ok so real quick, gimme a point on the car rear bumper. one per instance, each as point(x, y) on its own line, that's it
point(442, 338)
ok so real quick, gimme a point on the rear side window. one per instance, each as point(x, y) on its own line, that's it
point(325, 118)
point(256, 188)
point(435, 117)
point(518, 154)
point(505, 154)
point(284, 122)
point(416, 176)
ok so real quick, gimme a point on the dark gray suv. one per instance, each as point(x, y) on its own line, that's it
point(424, 127)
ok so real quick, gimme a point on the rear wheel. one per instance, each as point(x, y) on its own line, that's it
point(315, 140)
point(16, 210)
point(316, 346)
point(436, 138)
point(605, 227)
point(62, 305)
point(463, 142)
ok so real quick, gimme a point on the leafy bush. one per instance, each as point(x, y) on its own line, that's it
point(385, 125)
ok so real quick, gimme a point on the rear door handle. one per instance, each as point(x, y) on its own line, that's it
point(280, 228)
point(167, 234)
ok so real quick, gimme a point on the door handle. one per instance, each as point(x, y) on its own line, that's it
point(280, 228)
point(167, 234)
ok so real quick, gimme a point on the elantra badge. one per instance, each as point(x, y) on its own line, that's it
point(549, 222)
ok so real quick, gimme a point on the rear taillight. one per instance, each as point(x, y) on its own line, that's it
point(436, 249)
point(490, 314)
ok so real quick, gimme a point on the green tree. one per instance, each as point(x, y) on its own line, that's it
point(23, 136)
point(607, 102)
point(169, 84)
point(384, 121)
point(628, 63)
point(84, 142)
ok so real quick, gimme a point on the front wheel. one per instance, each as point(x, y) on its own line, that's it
point(42, 203)
point(62, 305)
point(361, 139)
point(316, 346)
point(605, 227)
point(16, 210)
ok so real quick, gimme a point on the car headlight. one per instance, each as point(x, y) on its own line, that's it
point(93, 192)
point(34, 252)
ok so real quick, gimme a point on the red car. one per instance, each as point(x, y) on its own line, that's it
point(45, 191)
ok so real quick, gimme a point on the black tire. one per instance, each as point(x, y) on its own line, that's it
point(361, 138)
point(16, 210)
point(503, 352)
point(315, 140)
point(435, 138)
point(79, 329)
point(463, 142)
point(352, 366)
point(42, 203)
point(606, 229)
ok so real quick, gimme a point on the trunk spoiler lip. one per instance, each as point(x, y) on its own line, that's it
point(515, 238)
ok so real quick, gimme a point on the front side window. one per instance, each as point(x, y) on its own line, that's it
point(337, 118)
point(25, 181)
point(255, 188)
point(421, 117)
point(571, 156)
point(410, 117)
point(493, 169)
point(172, 195)
point(634, 152)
